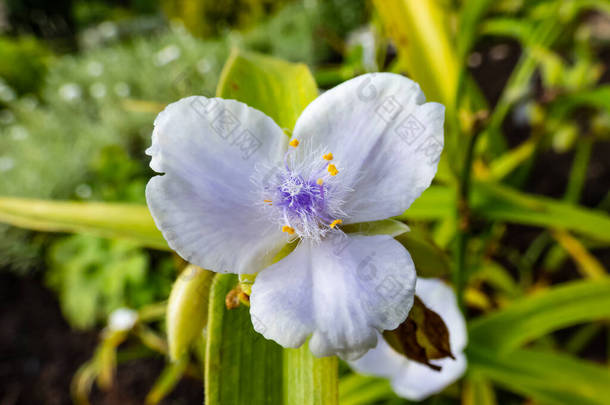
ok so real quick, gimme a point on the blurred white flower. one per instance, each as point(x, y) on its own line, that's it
point(166, 55)
point(7, 94)
point(70, 91)
point(6, 163)
point(84, 191)
point(97, 90)
point(122, 319)
point(19, 133)
point(95, 68)
point(413, 380)
point(122, 89)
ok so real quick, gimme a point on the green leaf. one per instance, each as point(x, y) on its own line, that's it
point(471, 14)
point(549, 378)
point(390, 227)
point(419, 31)
point(167, 381)
point(356, 389)
point(128, 221)
point(280, 89)
point(501, 203)
point(542, 313)
point(309, 380)
point(437, 202)
point(478, 391)
point(429, 259)
point(241, 366)
point(187, 309)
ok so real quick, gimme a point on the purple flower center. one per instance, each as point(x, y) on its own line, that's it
point(302, 198)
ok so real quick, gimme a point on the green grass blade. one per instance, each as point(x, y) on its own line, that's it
point(500, 203)
point(542, 313)
point(549, 378)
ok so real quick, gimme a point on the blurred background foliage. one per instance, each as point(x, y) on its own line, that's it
point(81, 83)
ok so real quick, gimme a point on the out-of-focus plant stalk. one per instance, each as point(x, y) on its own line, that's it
point(463, 208)
point(420, 32)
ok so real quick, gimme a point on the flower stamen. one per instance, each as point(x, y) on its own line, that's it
point(332, 169)
point(288, 229)
point(328, 156)
point(294, 143)
point(320, 181)
point(336, 222)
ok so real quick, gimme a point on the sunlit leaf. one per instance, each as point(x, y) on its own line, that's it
point(129, 221)
point(280, 89)
point(419, 31)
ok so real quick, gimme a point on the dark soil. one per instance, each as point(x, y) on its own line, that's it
point(39, 354)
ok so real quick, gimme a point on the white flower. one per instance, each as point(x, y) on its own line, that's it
point(122, 319)
point(235, 191)
point(412, 380)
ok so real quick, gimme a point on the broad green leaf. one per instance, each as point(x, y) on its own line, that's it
point(110, 220)
point(241, 366)
point(419, 31)
point(309, 380)
point(278, 88)
point(542, 313)
point(187, 309)
point(549, 378)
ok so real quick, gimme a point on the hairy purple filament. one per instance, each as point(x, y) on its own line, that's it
point(303, 199)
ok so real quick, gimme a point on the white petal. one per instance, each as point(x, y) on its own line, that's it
point(412, 380)
point(417, 381)
point(341, 291)
point(385, 140)
point(205, 204)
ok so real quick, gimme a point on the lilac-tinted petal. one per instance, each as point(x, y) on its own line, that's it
point(205, 203)
point(386, 142)
point(417, 381)
point(413, 380)
point(342, 292)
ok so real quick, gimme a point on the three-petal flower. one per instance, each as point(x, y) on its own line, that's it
point(235, 190)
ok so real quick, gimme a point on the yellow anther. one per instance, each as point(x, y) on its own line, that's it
point(319, 182)
point(294, 143)
point(328, 156)
point(268, 201)
point(288, 229)
point(332, 169)
point(336, 222)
